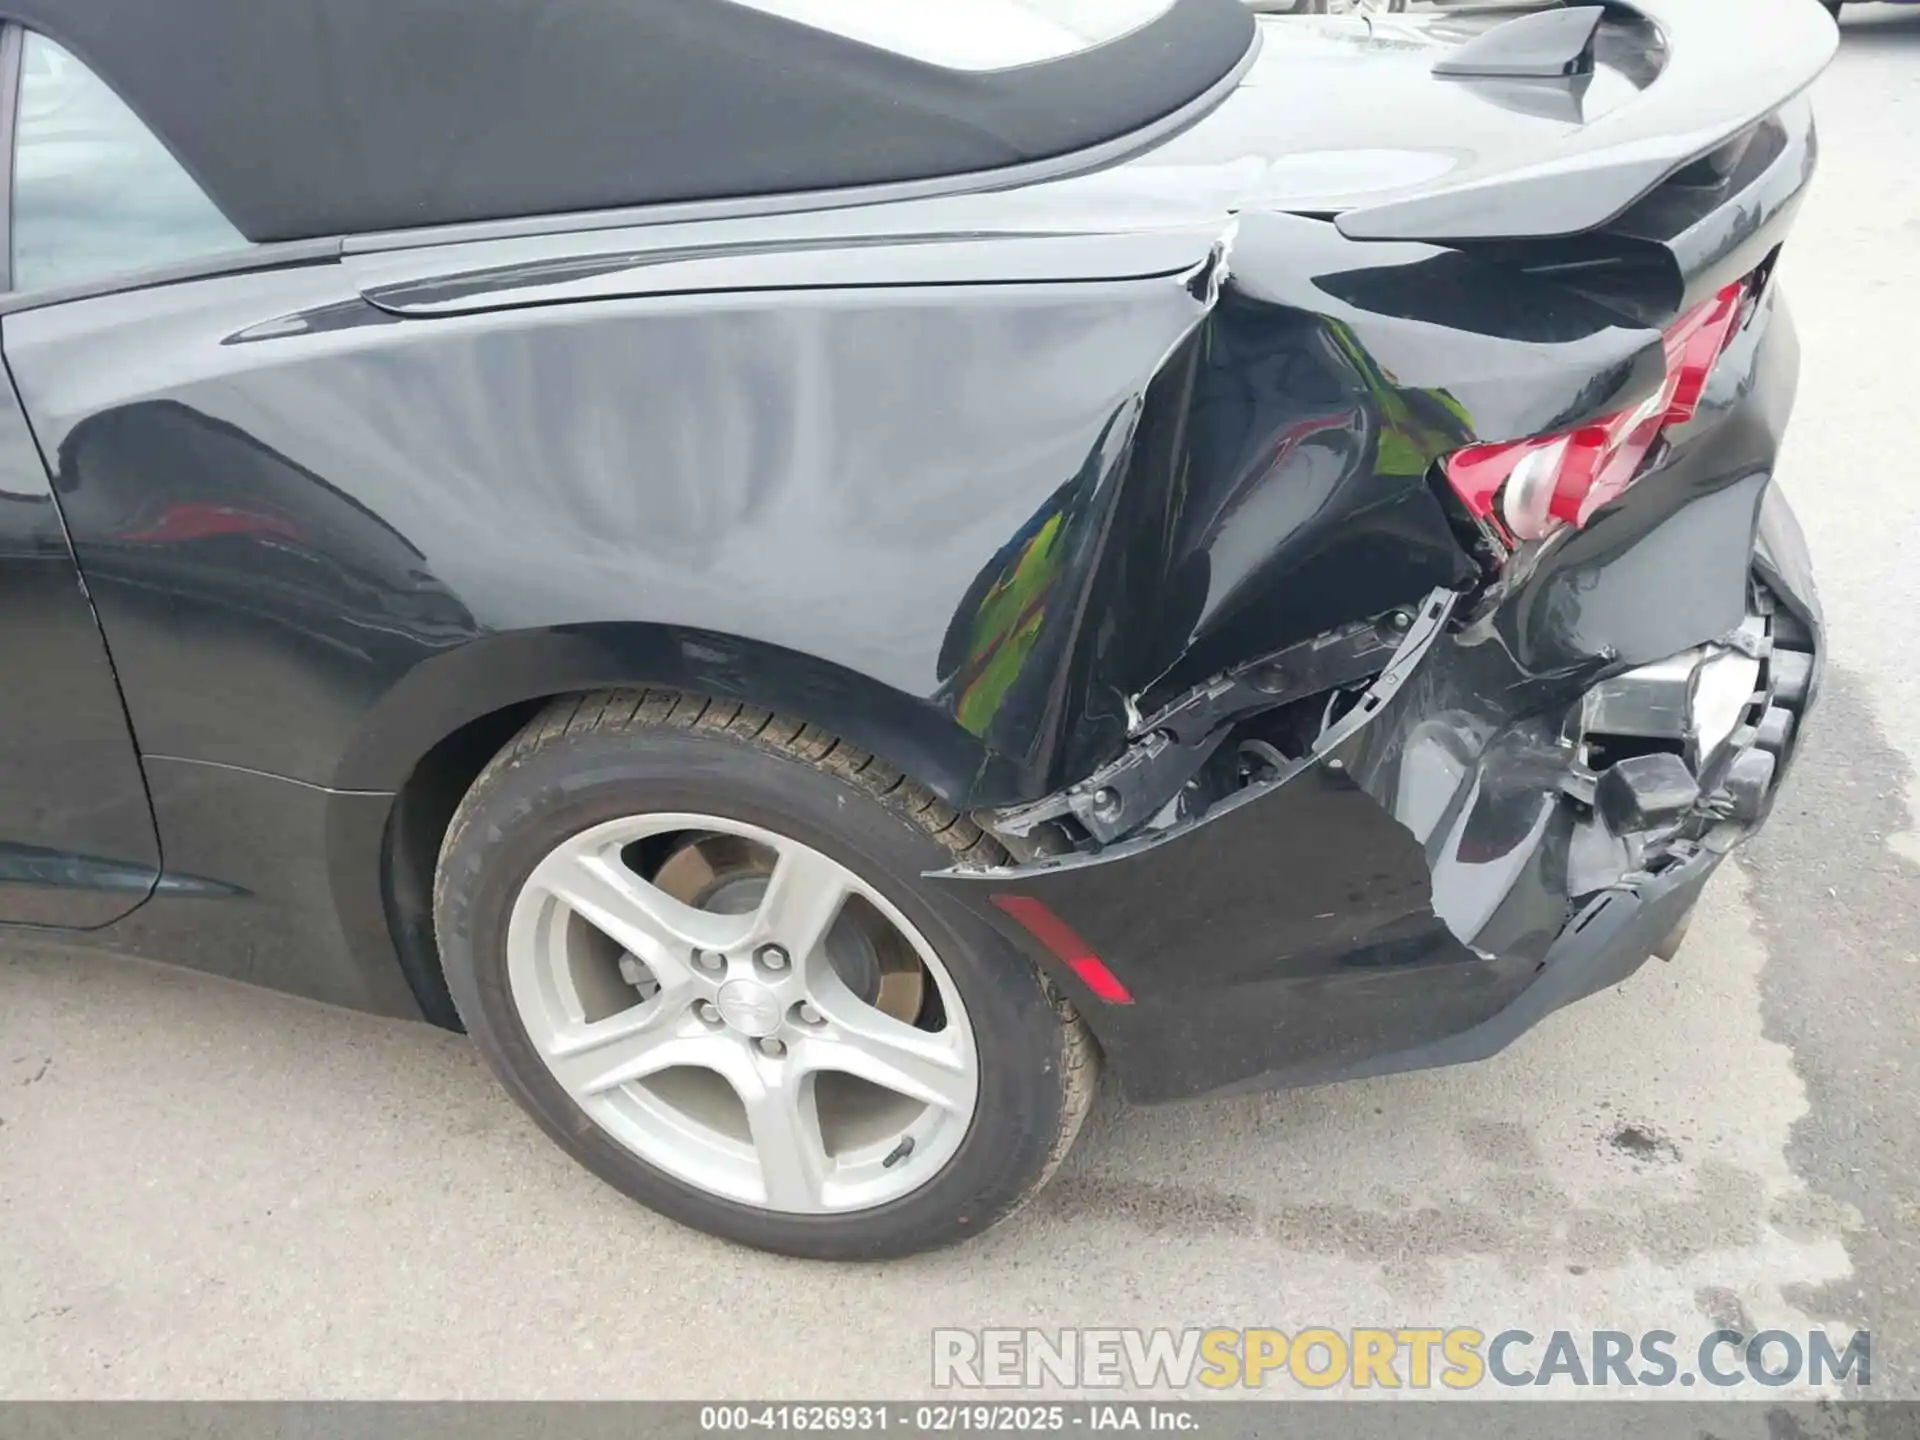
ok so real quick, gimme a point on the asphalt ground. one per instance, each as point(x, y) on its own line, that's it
point(212, 1191)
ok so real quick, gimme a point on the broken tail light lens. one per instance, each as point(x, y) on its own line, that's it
point(1529, 488)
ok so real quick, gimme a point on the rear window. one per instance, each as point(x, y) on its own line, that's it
point(973, 34)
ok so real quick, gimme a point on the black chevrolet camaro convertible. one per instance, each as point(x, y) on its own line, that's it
point(810, 573)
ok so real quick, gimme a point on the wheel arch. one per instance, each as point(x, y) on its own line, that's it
point(428, 739)
point(453, 690)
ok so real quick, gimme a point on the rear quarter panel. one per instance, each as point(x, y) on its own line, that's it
point(962, 523)
point(291, 504)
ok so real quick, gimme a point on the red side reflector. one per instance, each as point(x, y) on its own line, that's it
point(1063, 940)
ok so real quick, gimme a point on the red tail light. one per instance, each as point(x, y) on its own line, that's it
point(1530, 488)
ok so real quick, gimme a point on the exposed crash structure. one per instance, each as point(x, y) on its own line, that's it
point(1566, 733)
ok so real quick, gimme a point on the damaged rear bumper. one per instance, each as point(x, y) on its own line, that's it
point(1526, 807)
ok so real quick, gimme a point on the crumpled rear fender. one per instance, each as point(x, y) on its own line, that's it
point(1270, 479)
point(1402, 895)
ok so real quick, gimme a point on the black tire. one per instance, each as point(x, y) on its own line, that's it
point(585, 760)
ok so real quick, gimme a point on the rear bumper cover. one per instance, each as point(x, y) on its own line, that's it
point(1614, 932)
point(1430, 884)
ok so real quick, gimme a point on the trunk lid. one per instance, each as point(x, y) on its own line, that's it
point(1365, 123)
point(1355, 118)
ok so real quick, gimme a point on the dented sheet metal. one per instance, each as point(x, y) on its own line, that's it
point(1397, 896)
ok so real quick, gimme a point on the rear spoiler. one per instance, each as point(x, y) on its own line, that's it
point(1728, 65)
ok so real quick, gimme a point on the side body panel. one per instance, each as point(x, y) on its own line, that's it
point(962, 523)
point(77, 844)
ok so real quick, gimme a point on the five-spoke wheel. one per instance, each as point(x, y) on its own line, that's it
point(695, 941)
point(742, 1011)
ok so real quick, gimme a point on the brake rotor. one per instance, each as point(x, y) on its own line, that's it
point(727, 875)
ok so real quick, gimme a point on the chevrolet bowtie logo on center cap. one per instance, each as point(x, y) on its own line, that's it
point(749, 1007)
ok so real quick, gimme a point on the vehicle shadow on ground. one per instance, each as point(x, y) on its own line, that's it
point(314, 1162)
point(1553, 1159)
point(255, 1084)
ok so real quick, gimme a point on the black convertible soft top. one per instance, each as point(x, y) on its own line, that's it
point(307, 118)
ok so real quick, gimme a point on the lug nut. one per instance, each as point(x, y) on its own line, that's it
point(773, 957)
point(707, 960)
point(708, 1011)
point(771, 1046)
point(808, 1014)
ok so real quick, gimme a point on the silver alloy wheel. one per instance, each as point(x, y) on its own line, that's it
point(740, 1039)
